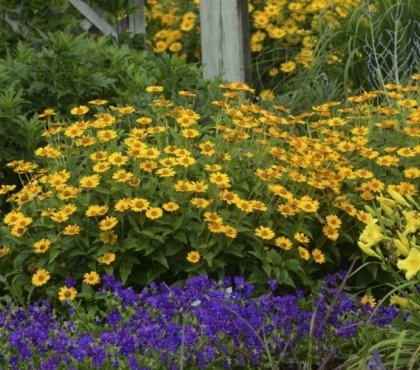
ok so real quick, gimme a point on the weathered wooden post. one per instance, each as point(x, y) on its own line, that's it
point(225, 42)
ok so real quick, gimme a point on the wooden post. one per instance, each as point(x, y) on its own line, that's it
point(225, 41)
point(137, 21)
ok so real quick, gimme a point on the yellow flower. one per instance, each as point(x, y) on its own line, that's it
point(107, 258)
point(213, 217)
point(139, 204)
point(89, 181)
point(413, 221)
point(47, 112)
point(230, 232)
point(154, 213)
point(318, 256)
point(411, 264)
point(304, 254)
point(108, 223)
point(122, 176)
point(170, 206)
point(371, 235)
point(4, 251)
point(91, 278)
point(40, 277)
point(301, 238)
point(117, 159)
point(283, 243)
point(267, 95)
point(165, 172)
point(98, 102)
point(122, 205)
point(193, 257)
point(220, 179)
point(67, 294)
point(288, 67)
point(200, 202)
point(154, 89)
point(106, 135)
point(96, 210)
point(71, 230)
point(402, 244)
point(333, 221)
point(403, 302)
point(42, 245)
point(264, 233)
point(79, 111)
point(368, 300)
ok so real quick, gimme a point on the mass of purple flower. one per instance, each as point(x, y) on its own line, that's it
point(200, 324)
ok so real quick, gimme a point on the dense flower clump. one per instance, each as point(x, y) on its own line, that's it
point(200, 323)
point(253, 189)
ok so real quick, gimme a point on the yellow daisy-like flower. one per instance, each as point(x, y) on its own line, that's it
point(264, 233)
point(333, 221)
point(101, 167)
point(96, 210)
point(154, 89)
point(139, 204)
point(288, 67)
point(154, 213)
point(79, 111)
point(47, 113)
point(91, 278)
point(165, 172)
point(67, 294)
point(40, 277)
point(221, 180)
point(200, 202)
point(122, 205)
point(301, 238)
point(106, 135)
point(368, 300)
point(193, 257)
point(230, 232)
point(330, 232)
point(117, 159)
point(144, 120)
point(318, 256)
point(122, 176)
point(98, 102)
point(41, 246)
point(304, 254)
point(283, 243)
point(108, 223)
point(71, 230)
point(90, 181)
point(107, 258)
point(170, 206)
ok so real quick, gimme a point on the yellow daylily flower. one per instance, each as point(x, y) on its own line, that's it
point(411, 264)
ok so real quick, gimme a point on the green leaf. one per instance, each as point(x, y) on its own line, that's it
point(160, 257)
point(125, 271)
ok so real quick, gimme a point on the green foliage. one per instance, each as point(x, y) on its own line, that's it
point(63, 71)
point(255, 191)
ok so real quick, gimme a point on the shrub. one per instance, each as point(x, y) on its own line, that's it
point(147, 193)
point(34, 78)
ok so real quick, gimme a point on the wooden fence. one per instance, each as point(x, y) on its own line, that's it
point(224, 33)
